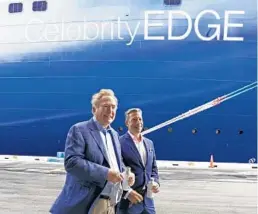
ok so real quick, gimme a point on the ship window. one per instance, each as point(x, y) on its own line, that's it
point(218, 131)
point(173, 2)
point(15, 7)
point(39, 6)
point(194, 131)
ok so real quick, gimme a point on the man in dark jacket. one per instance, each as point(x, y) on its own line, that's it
point(138, 153)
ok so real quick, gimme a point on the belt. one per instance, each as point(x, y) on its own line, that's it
point(104, 197)
point(141, 190)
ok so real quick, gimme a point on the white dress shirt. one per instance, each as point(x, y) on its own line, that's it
point(140, 147)
point(114, 191)
point(108, 144)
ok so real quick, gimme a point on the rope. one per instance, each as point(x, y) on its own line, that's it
point(203, 107)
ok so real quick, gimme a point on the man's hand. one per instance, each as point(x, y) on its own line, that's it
point(134, 197)
point(155, 187)
point(114, 176)
point(131, 179)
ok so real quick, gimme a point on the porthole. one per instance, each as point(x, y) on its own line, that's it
point(240, 131)
point(169, 129)
point(194, 131)
point(218, 131)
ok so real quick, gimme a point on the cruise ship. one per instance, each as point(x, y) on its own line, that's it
point(163, 56)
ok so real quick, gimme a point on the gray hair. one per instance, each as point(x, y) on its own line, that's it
point(132, 110)
point(103, 92)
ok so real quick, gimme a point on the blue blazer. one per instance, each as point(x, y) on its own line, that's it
point(87, 168)
point(132, 158)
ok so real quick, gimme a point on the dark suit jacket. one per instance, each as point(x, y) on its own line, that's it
point(132, 158)
point(87, 168)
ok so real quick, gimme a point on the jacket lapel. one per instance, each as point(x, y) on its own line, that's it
point(147, 148)
point(134, 149)
point(96, 136)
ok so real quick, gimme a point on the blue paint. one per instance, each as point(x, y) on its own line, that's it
point(44, 94)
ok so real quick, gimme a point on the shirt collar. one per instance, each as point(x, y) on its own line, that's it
point(134, 138)
point(99, 126)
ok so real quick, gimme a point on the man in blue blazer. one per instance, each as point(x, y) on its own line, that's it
point(138, 153)
point(93, 162)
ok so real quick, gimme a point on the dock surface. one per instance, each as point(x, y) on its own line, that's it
point(31, 188)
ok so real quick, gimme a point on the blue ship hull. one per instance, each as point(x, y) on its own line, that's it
point(43, 95)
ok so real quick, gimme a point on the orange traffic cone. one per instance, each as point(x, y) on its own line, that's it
point(211, 162)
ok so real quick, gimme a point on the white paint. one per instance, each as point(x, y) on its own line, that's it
point(161, 164)
point(62, 26)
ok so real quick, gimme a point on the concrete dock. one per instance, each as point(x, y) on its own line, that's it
point(31, 188)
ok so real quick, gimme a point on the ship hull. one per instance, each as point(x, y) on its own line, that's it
point(43, 94)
